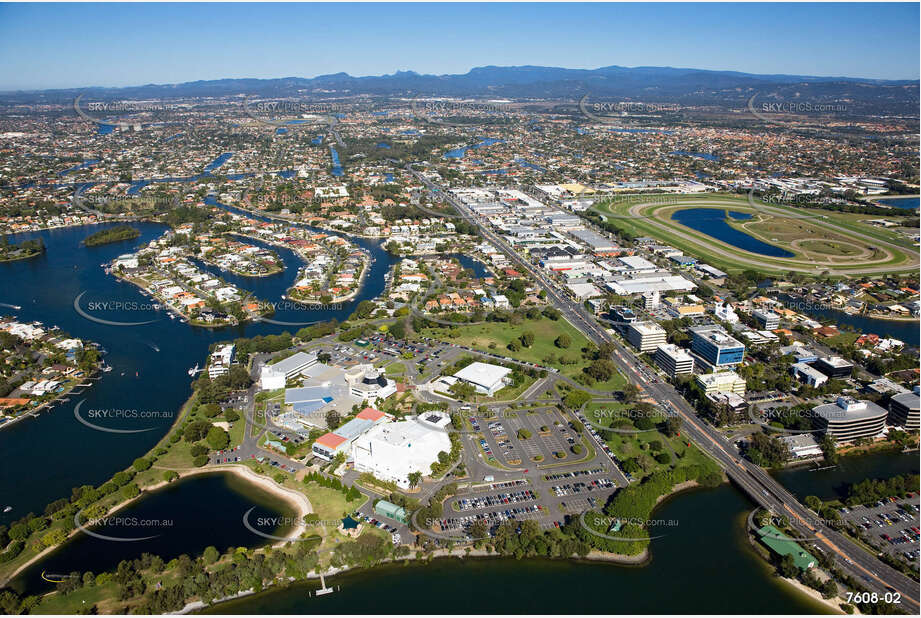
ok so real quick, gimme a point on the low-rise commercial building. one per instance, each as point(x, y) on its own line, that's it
point(276, 375)
point(392, 451)
point(342, 438)
point(487, 379)
point(808, 374)
point(220, 361)
point(673, 360)
point(848, 419)
point(721, 382)
point(646, 336)
point(904, 410)
point(834, 366)
point(767, 319)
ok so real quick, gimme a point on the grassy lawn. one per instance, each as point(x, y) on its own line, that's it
point(76, 602)
point(395, 369)
point(844, 338)
point(545, 330)
point(327, 503)
point(630, 445)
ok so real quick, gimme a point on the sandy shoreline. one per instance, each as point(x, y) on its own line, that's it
point(298, 501)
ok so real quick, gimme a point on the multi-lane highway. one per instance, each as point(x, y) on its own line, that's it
point(873, 574)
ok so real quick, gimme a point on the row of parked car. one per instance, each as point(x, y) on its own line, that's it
point(491, 518)
point(469, 504)
point(577, 488)
point(570, 475)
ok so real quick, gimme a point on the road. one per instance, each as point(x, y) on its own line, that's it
point(761, 487)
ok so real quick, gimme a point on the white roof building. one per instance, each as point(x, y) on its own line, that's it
point(392, 451)
point(486, 378)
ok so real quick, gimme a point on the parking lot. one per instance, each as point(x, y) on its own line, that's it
point(550, 436)
point(891, 524)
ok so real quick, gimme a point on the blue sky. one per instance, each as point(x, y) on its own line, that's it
point(79, 45)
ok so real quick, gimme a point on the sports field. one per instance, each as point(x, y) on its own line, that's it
point(822, 242)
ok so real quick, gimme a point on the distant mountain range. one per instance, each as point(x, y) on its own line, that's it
point(646, 84)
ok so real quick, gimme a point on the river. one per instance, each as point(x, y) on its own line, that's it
point(702, 563)
point(903, 330)
point(150, 361)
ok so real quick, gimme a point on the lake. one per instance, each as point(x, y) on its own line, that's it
point(184, 517)
point(908, 203)
point(712, 221)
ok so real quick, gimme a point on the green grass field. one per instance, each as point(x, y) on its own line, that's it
point(545, 330)
point(774, 228)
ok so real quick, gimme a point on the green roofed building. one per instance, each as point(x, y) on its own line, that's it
point(391, 510)
point(781, 544)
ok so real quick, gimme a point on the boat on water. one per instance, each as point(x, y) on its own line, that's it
point(7, 509)
point(9, 306)
point(194, 370)
point(107, 368)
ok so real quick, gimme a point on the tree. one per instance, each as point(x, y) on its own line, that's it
point(527, 339)
point(631, 392)
point(813, 503)
point(414, 477)
point(140, 464)
point(210, 555)
point(672, 426)
point(576, 399)
point(218, 439)
point(563, 341)
point(523, 434)
point(332, 420)
point(170, 475)
point(210, 410)
point(479, 530)
point(829, 449)
point(462, 390)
